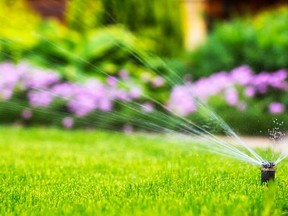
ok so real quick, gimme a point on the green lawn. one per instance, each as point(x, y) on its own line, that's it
point(54, 172)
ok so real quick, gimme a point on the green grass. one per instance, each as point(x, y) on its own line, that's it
point(53, 172)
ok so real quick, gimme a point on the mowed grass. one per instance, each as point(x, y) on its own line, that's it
point(55, 172)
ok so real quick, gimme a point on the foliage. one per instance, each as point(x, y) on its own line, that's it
point(75, 54)
point(83, 15)
point(17, 26)
point(97, 53)
point(154, 19)
point(93, 52)
point(47, 171)
point(260, 42)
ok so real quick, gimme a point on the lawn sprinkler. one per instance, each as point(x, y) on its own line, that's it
point(267, 172)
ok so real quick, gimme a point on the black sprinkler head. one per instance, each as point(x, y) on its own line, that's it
point(267, 172)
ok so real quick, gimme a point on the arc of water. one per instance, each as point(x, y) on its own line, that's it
point(222, 152)
point(222, 143)
point(229, 150)
point(282, 156)
point(231, 132)
point(234, 133)
point(157, 102)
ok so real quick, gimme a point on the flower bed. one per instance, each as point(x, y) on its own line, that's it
point(32, 95)
point(45, 88)
point(239, 88)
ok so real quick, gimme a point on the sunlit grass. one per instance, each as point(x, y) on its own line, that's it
point(49, 171)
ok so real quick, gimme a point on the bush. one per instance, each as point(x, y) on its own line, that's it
point(97, 53)
point(247, 101)
point(156, 19)
point(260, 42)
point(93, 52)
point(36, 96)
point(16, 33)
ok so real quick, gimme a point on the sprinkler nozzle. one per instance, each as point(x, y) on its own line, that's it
point(267, 172)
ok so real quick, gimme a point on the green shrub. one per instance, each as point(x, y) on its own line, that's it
point(17, 26)
point(85, 46)
point(76, 54)
point(96, 53)
point(260, 42)
point(154, 19)
point(83, 15)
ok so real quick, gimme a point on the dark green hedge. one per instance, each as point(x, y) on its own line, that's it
point(260, 42)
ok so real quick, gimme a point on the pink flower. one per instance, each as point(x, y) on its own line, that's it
point(40, 98)
point(135, 92)
point(68, 122)
point(147, 107)
point(123, 74)
point(182, 100)
point(276, 108)
point(250, 91)
point(112, 81)
point(6, 94)
point(242, 75)
point(158, 81)
point(128, 129)
point(26, 113)
point(231, 96)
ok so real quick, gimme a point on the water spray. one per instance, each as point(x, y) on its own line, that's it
point(267, 172)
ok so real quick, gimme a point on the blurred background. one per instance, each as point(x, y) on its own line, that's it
point(113, 64)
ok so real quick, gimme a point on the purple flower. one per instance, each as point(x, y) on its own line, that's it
point(38, 78)
point(105, 104)
point(261, 82)
point(112, 81)
point(231, 96)
point(250, 91)
point(123, 74)
point(6, 94)
point(181, 100)
point(40, 98)
point(135, 92)
point(26, 114)
point(220, 80)
point(89, 97)
point(81, 105)
point(68, 122)
point(10, 76)
point(128, 129)
point(276, 108)
point(120, 94)
point(64, 90)
point(147, 107)
point(158, 81)
point(278, 80)
point(242, 75)
point(213, 85)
